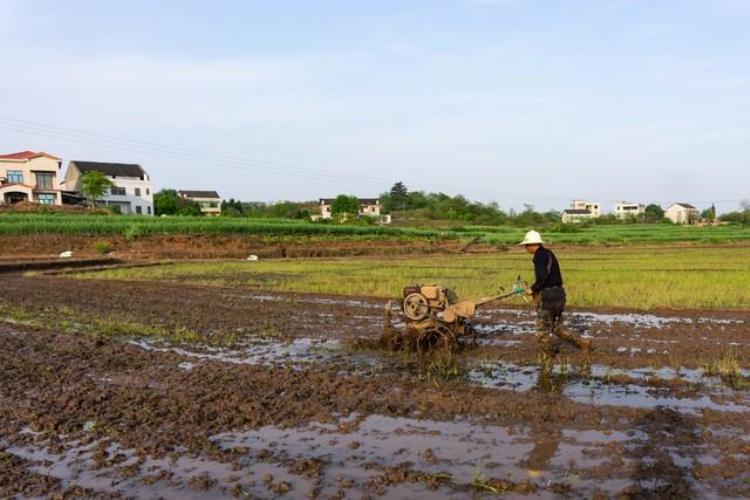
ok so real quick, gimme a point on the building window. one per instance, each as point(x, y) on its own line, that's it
point(137, 191)
point(117, 190)
point(138, 209)
point(148, 191)
point(45, 180)
point(148, 210)
point(15, 177)
point(45, 198)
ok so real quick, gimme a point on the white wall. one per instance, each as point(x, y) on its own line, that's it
point(145, 200)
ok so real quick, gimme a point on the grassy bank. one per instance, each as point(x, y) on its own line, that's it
point(135, 226)
point(629, 277)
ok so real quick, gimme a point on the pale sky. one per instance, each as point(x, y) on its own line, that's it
point(511, 101)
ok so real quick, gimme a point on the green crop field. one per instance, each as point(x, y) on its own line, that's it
point(134, 226)
point(628, 277)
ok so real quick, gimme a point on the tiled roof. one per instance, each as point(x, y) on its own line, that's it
point(111, 169)
point(27, 155)
point(199, 194)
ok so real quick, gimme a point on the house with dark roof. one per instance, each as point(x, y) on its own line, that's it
point(30, 176)
point(580, 211)
point(209, 201)
point(131, 192)
point(682, 213)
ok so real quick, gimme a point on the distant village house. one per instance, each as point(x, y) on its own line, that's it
point(209, 201)
point(131, 192)
point(626, 210)
point(368, 207)
point(682, 213)
point(30, 176)
point(581, 211)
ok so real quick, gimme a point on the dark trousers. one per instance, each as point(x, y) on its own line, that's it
point(550, 319)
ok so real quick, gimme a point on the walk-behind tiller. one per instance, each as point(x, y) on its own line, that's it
point(435, 318)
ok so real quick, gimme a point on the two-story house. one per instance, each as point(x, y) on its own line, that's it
point(625, 210)
point(30, 176)
point(580, 211)
point(131, 192)
point(682, 213)
point(209, 201)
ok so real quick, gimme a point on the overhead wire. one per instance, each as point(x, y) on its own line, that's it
point(241, 163)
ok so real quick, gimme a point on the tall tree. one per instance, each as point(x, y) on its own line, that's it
point(94, 185)
point(399, 196)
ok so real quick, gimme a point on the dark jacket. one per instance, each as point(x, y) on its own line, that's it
point(546, 270)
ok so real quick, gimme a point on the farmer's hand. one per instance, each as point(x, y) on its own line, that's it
point(529, 291)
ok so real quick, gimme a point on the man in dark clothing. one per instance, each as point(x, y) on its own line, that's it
point(549, 296)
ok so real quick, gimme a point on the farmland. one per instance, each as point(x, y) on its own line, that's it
point(625, 277)
point(231, 378)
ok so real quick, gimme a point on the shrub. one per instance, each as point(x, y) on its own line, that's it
point(103, 247)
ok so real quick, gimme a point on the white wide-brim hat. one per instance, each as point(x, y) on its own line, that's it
point(531, 238)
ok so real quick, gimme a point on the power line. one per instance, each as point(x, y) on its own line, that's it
point(196, 156)
point(191, 155)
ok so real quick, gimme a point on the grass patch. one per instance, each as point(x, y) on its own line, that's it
point(628, 277)
point(727, 367)
point(67, 320)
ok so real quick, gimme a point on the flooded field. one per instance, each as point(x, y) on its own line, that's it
point(142, 389)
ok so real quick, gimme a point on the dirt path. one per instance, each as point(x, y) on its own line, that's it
point(271, 399)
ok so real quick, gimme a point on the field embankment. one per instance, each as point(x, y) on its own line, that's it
point(227, 237)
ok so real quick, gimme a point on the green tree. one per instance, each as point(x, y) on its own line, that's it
point(709, 213)
point(94, 185)
point(168, 202)
point(165, 202)
point(399, 196)
point(232, 208)
point(653, 213)
point(344, 206)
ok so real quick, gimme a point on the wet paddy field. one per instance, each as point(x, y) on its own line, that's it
point(142, 389)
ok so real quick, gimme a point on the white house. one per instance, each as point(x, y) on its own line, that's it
point(131, 192)
point(581, 211)
point(682, 213)
point(625, 210)
point(209, 201)
point(593, 207)
point(573, 215)
point(368, 207)
point(30, 176)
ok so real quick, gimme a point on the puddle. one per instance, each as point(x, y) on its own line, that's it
point(183, 477)
point(354, 455)
point(256, 351)
point(509, 376)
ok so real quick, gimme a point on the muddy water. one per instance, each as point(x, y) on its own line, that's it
point(596, 389)
point(373, 454)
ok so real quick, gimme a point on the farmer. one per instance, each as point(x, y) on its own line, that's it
point(549, 296)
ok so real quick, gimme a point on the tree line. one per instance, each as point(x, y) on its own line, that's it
point(418, 207)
